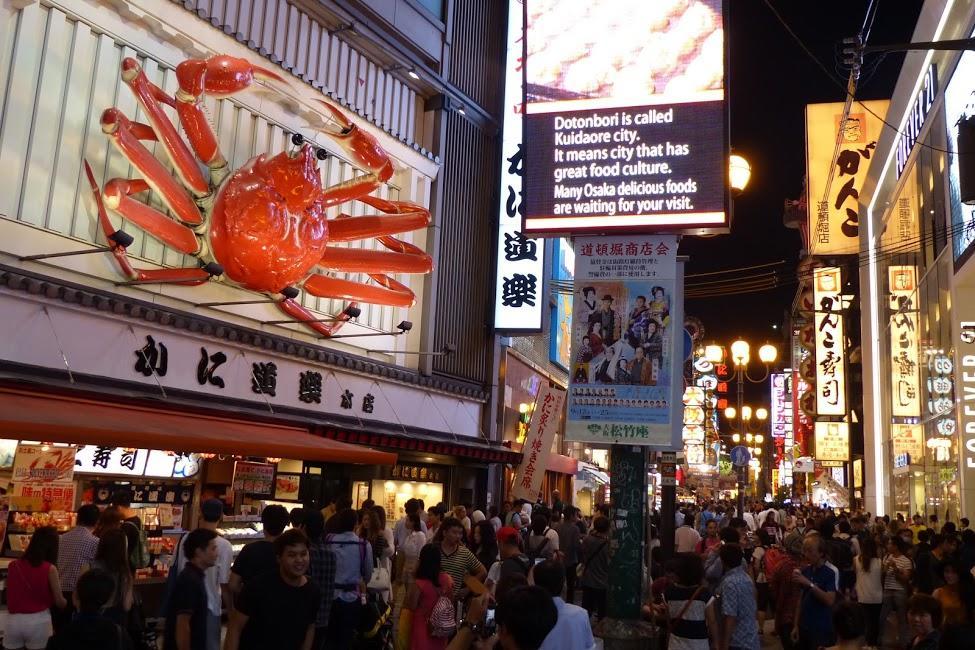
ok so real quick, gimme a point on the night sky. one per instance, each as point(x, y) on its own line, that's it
point(771, 79)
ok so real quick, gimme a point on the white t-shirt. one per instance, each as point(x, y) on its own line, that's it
point(870, 583)
point(903, 563)
point(536, 543)
point(686, 538)
point(215, 576)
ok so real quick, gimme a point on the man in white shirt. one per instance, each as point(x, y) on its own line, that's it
point(217, 576)
point(572, 630)
point(400, 533)
point(685, 537)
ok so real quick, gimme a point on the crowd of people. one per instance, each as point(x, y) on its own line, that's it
point(336, 578)
point(814, 578)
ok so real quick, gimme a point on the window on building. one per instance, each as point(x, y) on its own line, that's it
point(435, 7)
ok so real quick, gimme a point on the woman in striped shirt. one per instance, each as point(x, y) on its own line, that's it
point(685, 604)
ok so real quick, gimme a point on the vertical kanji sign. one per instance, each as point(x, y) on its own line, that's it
point(830, 347)
point(905, 372)
point(538, 443)
point(838, 155)
point(519, 300)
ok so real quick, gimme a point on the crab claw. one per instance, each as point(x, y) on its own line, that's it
point(361, 146)
point(219, 75)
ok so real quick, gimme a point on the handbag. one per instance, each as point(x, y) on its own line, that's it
point(375, 613)
point(581, 567)
point(380, 579)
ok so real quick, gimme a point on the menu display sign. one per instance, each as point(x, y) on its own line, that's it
point(905, 371)
point(43, 464)
point(830, 369)
point(908, 439)
point(254, 478)
point(625, 116)
point(626, 382)
point(832, 441)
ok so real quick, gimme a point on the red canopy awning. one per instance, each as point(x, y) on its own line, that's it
point(59, 418)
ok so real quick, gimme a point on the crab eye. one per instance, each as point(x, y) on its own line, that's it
point(297, 139)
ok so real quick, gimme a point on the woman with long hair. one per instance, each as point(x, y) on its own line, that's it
point(33, 586)
point(430, 583)
point(485, 543)
point(112, 556)
point(371, 530)
point(543, 542)
point(957, 594)
point(870, 586)
point(110, 519)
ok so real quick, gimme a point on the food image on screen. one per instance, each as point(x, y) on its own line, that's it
point(625, 117)
point(623, 48)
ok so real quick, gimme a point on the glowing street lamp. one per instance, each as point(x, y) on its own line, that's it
point(736, 438)
point(739, 173)
point(739, 352)
point(767, 354)
point(761, 414)
point(746, 413)
point(730, 413)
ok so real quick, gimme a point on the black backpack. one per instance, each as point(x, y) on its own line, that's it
point(841, 553)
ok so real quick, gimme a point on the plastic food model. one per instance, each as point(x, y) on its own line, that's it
point(264, 226)
point(623, 48)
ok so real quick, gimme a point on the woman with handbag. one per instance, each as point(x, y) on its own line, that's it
point(430, 586)
point(372, 531)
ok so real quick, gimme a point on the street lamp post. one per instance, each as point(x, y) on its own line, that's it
point(740, 352)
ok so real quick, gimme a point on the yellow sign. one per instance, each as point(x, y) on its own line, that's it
point(908, 439)
point(905, 372)
point(858, 473)
point(830, 369)
point(832, 441)
point(836, 173)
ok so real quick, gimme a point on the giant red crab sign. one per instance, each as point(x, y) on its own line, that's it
point(262, 227)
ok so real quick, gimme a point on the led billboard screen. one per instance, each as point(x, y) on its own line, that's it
point(625, 116)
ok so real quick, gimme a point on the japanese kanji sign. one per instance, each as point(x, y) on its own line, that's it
point(908, 439)
point(905, 373)
point(781, 405)
point(830, 348)
point(43, 464)
point(838, 154)
point(519, 301)
point(254, 478)
point(626, 380)
point(538, 443)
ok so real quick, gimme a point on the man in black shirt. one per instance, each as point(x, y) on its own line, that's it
point(258, 557)
point(277, 610)
point(186, 625)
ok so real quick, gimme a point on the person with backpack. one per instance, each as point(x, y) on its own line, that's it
point(839, 553)
point(430, 599)
point(512, 561)
point(132, 527)
point(353, 569)
point(543, 542)
point(594, 560)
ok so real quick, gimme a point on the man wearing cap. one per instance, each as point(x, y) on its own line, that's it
point(216, 577)
point(512, 561)
point(607, 320)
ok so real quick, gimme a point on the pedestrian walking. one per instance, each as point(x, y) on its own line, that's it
point(431, 584)
point(870, 587)
point(594, 556)
point(819, 583)
point(898, 570)
point(736, 606)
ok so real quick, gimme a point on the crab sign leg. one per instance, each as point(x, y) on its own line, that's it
point(365, 152)
point(403, 217)
point(219, 76)
point(149, 95)
point(117, 197)
point(186, 276)
point(120, 130)
point(390, 292)
point(304, 316)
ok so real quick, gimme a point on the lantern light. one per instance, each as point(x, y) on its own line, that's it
point(767, 353)
point(761, 414)
point(731, 413)
point(739, 173)
point(739, 352)
point(746, 413)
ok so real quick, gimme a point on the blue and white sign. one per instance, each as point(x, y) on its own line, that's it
point(740, 456)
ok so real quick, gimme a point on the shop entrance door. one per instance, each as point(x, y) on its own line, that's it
point(318, 489)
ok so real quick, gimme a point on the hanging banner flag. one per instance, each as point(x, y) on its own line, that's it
point(830, 370)
point(518, 297)
point(626, 382)
point(538, 443)
point(834, 182)
point(832, 441)
point(905, 373)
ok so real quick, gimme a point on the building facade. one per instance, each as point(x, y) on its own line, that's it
point(415, 382)
point(917, 279)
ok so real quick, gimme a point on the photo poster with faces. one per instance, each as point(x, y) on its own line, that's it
point(625, 382)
